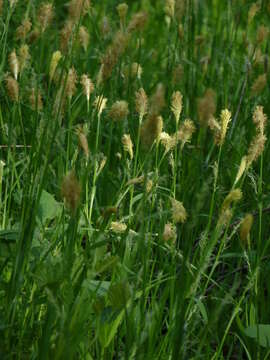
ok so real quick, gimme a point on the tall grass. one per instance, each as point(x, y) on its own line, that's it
point(134, 203)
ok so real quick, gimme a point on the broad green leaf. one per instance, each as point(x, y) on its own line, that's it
point(48, 207)
point(260, 333)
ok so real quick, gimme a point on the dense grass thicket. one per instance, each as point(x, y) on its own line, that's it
point(134, 179)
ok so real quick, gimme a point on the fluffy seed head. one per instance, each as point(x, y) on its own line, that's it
point(71, 82)
point(88, 86)
point(185, 132)
point(122, 10)
point(169, 233)
point(255, 7)
point(137, 22)
point(259, 119)
point(259, 84)
point(234, 196)
point(256, 148)
point(151, 130)
point(23, 29)
point(35, 100)
point(207, 106)
point(45, 15)
point(12, 88)
point(100, 104)
point(118, 227)
point(14, 64)
point(127, 144)
point(54, 62)
point(71, 191)
point(83, 140)
point(262, 33)
point(141, 102)
point(225, 119)
point(119, 110)
point(241, 170)
point(176, 105)
point(179, 213)
point(245, 227)
point(77, 8)
point(84, 37)
point(157, 102)
point(24, 56)
point(169, 8)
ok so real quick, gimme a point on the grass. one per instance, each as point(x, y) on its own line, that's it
point(97, 259)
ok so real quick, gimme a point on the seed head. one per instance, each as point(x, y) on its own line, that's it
point(259, 84)
point(207, 106)
point(245, 227)
point(256, 148)
point(84, 37)
point(169, 233)
point(151, 130)
point(157, 102)
point(100, 104)
point(54, 62)
point(119, 110)
point(45, 15)
point(122, 10)
point(77, 8)
point(23, 29)
point(185, 132)
point(137, 22)
point(71, 191)
point(12, 88)
point(141, 102)
point(88, 86)
point(118, 227)
point(262, 34)
point(83, 141)
point(71, 82)
point(241, 170)
point(179, 213)
point(259, 119)
point(36, 100)
point(24, 56)
point(14, 64)
point(127, 145)
point(225, 119)
point(176, 105)
point(169, 8)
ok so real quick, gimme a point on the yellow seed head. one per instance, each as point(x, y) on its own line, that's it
point(36, 100)
point(118, 227)
point(122, 10)
point(169, 233)
point(141, 102)
point(23, 29)
point(185, 132)
point(169, 8)
point(259, 119)
point(225, 119)
point(88, 86)
point(24, 56)
point(119, 110)
point(241, 170)
point(179, 213)
point(176, 105)
point(45, 15)
point(84, 37)
point(54, 62)
point(245, 227)
point(100, 104)
point(127, 144)
point(14, 64)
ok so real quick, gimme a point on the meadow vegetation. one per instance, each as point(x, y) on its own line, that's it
point(134, 194)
